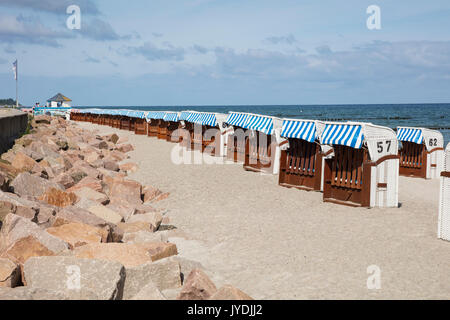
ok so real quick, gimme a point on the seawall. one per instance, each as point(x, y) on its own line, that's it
point(13, 123)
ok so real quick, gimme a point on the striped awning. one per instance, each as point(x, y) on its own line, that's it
point(171, 116)
point(410, 134)
point(156, 115)
point(184, 115)
point(237, 119)
point(259, 123)
point(137, 114)
point(350, 135)
point(207, 119)
point(304, 130)
point(193, 117)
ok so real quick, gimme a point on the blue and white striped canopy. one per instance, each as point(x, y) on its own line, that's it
point(304, 130)
point(350, 135)
point(237, 119)
point(171, 116)
point(156, 115)
point(259, 123)
point(184, 115)
point(410, 134)
point(193, 116)
point(207, 119)
point(136, 114)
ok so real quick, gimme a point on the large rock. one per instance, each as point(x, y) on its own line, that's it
point(58, 198)
point(130, 255)
point(27, 293)
point(127, 190)
point(125, 148)
point(76, 278)
point(145, 236)
point(229, 292)
point(88, 182)
point(74, 214)
point(149, 292)
point(164, 274)
point(153, 219)
point(128, 167)
point(110, 165)
point(23, 162)
point(159, 250)
point(9, 273)
point(106, 214)
point(90, 194)
point(134, 227)
point(78, 234)
point(125, 210)
point(26, 248)
point(149, 193)
point(15, 228)
point(65, 180)
point(197, 286)
point(26, 184)
point(12, 203)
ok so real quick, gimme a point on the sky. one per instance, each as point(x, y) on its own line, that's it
point(226, 52)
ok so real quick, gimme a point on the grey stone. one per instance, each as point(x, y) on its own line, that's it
point(26, 184)
point(98, 279)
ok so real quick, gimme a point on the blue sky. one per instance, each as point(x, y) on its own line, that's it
point(226, 52)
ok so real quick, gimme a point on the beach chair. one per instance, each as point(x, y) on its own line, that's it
point(184, 128)
point(262, 143)
point(208, 135)
point(421, 153)
point(153, 120)
point(444, 199)
point(363, 169)
point(303, 157)
point(125, 120)
point(171, 121)
point(236, 136)
point(140, 124)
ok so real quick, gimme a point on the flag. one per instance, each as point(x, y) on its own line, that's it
point(15, 69)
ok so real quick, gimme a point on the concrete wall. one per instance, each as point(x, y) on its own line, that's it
point(13, 124)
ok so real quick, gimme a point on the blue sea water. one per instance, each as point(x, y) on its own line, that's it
point(433, 116)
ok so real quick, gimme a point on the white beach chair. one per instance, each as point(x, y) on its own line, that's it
point(444, 199)
point(422, 152)
point(363, 168)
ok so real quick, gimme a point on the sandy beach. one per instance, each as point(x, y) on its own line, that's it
point(280, 243)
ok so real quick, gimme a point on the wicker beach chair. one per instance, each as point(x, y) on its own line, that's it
point(444, 199)
point(421, 153)
point(363, 168)
point(171, 123)
point(303, 157)
point(153, 120)
point(236, 136)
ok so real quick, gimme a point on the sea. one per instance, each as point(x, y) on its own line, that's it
point(433, 116)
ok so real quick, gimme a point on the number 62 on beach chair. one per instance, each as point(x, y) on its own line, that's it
point(363, 170)
point(422, 152)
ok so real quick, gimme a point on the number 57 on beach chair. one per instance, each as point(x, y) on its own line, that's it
point(422, 152)
point(444, 199)
point(363, 170)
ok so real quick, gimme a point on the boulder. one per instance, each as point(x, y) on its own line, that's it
point(42, 119)
point(149, 292)
point(27, 293)
point(9, 274)
point(135, 227)
point(78, 234)
point(130, 255)
point(128, 167)
point(124, 148)
point(153, 219)
point(74, 214)
point(197, 286)
point(15, 228)
point(77, 278)
point(58, 198)
point(186, 266)
point(161, 197)
point(229, 292)
point(65, 180)
point(46, 216)
point(106, 214)
point(126, 211)
point(149, 193)
point(23, 162)
point(159, 250)
point(11, 203)
point(26, 184)
point(88, 182)
point(164, 274)
point(144, 236)
point(117, 155)
point(25, 248)
point(91, 194)
point(127, 190)
point(110, 165)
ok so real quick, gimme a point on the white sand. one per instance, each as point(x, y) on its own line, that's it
point(280, 243)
